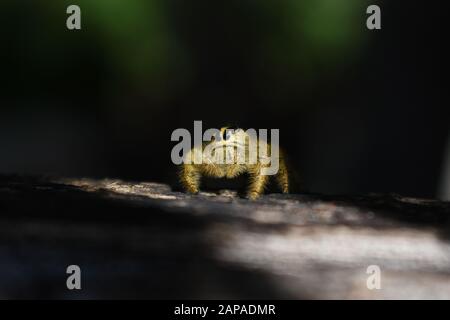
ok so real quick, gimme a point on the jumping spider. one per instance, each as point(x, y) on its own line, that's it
point(239, 140)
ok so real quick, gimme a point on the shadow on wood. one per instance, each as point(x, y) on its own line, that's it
point(143, 240)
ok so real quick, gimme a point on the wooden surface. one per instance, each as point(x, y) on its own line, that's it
point(142, 240)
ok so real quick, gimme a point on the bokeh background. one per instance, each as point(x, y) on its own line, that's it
point(358, 110)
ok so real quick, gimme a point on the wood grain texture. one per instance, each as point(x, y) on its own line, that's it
point(143, 240)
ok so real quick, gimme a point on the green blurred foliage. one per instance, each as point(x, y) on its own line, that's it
point(310, 40)
point(297, 41)
point(136, 35)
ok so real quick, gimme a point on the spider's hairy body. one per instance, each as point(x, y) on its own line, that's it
point(191, 173)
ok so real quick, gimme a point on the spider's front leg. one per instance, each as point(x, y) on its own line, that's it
point(282, 176)
point(257, 183)
point(190, 178)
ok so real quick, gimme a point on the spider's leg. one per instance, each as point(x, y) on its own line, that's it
point(257, 183)
point(190, 178)
point(282, 176)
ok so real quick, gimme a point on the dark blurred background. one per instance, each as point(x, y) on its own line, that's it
point(358, 110)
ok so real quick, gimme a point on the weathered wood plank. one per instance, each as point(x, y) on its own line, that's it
point(144, 240)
